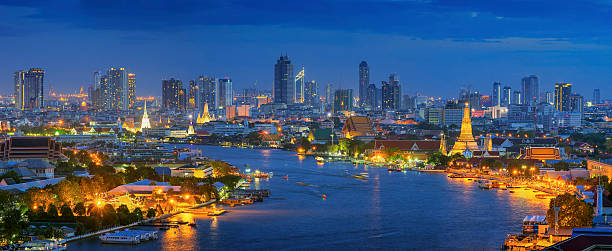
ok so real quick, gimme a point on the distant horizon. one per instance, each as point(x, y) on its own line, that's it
point(435, 46)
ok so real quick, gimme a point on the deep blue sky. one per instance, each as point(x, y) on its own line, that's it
point(435, 46)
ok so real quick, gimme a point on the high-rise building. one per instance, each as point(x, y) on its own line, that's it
point(284, 84)
point(550, 98)
point(364, 82)
point(576, 103)
point(173, 94)
point(311, 93)
point(193, 95)
point(507, 97)
point(596, 97)
point(530, 90)
point(371, 97)
point(329, 94)
point(516, 98)
point(208, 88)
point(343, 100)
point(563, 91)
point(496, 97)
point(225, 92)
point(118, 89)
point(29, 89)
point(391, 93)
point(131, 90)
point(299, 86)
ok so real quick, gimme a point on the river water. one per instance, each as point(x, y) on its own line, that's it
point(397, 210)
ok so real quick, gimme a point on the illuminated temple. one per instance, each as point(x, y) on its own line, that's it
point(466, 141)
point(205, 116)
point(145, 118)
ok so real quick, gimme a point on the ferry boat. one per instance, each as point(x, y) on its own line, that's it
point(361, 177)
point(128, 237)
point(216, 212)
point(319, 159)
point(485, 184)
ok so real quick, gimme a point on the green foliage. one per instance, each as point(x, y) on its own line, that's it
point(573, 212)
point(151, 213)
point(137, 214)
point(13, 175)
point(229, 180)
point(109, 216)
point(66, 212)
point(437, 159)
point(13, 220)
point(220, 168)
point(53, 232)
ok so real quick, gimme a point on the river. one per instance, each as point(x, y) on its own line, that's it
point(398, 210)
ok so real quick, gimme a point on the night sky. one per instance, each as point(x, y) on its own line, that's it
point(435, 46)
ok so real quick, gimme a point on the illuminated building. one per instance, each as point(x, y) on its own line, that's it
point(311, 93)
point(173, 94)
point(466, 141)
point(118, 89)
point(507, 96)
point(208, 92)
point(371, 96)
point(29, 89)
point(496, 98)
point(230, 112)
point(596, 97)
point(244, 111)
point(131, 90)
point(364, 82)
point(563, 92)
point(145, 118)
point(205, 116)
point(299, 86)
point(391, 93)
point(36, 147)
point(540, 153)
point(516, 98)
point(225, 94)
point(359, 127)
point(193, 95)
point(413, 149)
point(530, 89)
point(343, 100)
point(284, 84)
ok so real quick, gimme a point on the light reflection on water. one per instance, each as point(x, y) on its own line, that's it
point(388, 211)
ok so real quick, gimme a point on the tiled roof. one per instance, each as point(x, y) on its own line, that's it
point(408, 145)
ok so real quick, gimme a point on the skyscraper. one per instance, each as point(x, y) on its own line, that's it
point(596, 97)
point(530, 90)
point(299, 86)
point(118, 89)
point(364, 82)
point(576, 103)
point(193, 94)
point(284, 84)
point(563, 91)
point(391, 93)
point(507, 97)
point(131, 90)
point(371, 96)
point(516, 98)
point(329, 95)
point(496, 97)
point(29, 89)
point(225, 92)
point(343, 100)
point(311, 93)
point(208, 87)
point(173, 94)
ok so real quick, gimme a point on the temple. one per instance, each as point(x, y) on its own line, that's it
point(204, 117)
point(145, 118)
point(466, 141)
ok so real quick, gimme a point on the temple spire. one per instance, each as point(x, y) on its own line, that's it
point(466, 139)
point(145, 118)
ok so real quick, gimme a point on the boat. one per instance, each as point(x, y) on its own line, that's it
point(193, 224)
point(544, 196)
point(128, 237)
point(361, 177)
point(320, 159)
point(216, 212)
point(485, 184)
point(302, 184)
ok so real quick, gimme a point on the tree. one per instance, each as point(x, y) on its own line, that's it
point(572, 212)
point(220, 168)
point(79, 209)
point(66, 212)
point(137, 214)
point(437, 159)
point(13, 220)
point(109, 216)
point(151, 213)
point(53, 232)
point(52, 211)
point(13, 175)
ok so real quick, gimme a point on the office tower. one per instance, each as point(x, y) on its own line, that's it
point(507, 97)
point(371, 96)
point(118, 89)
point(364, 82)
point(563, 91)
point(329, 99)
point(474, 100)
point(311, 93)
point(530, 90)
point(299, 86)
point(391, 93)
point(576, 103)
point(95, 93)
point(596, 97)
point(173, 94)
point(343, 100)
point(496, 97)
point(225, 93)
point(516, 98)
point(29, 89)
point(104, 92)
point(284, 85)
point(131, 90)
point(193, 95)
point(208, 87)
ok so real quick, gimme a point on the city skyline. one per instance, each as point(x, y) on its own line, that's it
point(493, 44)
